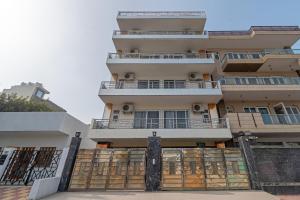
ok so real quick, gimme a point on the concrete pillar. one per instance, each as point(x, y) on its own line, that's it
point(107, 111)
point(153, 167)
point(244, 143)
point(69, 164)
point(214, 115)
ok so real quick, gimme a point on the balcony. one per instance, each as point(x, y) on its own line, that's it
point(261, 88)
point(177, 20)
point(134, 129)
point(146, 64)
point(160, 92)
point(267, 60)
point(170, 41)
point(265, 124)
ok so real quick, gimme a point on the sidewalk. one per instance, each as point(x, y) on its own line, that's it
point(187, 195)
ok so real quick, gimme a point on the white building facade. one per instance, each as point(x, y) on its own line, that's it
point(162, 83)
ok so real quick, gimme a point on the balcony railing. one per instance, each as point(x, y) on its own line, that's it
point(260, 81)
point(163, 56)
point(254, 28)
point(159, 123)
point(162, 13)
point(258, 54)
point(141, 32)
point(160, 84)
point(281, 119)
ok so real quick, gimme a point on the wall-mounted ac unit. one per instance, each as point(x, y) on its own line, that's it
point(129, 76)
point(194, 76)
point(127, 108)
point(199, 108)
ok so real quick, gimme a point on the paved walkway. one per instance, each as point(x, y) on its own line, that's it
point(188, 195)
point(14, 192)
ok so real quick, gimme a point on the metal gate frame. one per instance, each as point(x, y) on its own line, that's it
point(27, 165)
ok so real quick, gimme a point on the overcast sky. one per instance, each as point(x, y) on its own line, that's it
point(63, 43)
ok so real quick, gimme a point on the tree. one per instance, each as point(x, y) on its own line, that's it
point(12, 103)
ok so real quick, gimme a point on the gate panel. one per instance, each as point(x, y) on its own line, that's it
point(118, 169)
point(82, 169)
point(100, 171)
point(193, 170)
point(214, 169)
point(237, 176)
point(172, 167)
point(136, 169)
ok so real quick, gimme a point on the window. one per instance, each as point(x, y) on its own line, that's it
point(264, 111)
point(174, 84)
point(250, 110)
point(146, 119)
point(293, 114)
point(230, 109)
point(39, 93)
point(142, 84)
point(148, 84)
point(115, 116)
point(176, 119)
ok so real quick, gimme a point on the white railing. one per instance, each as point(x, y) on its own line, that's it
point(260, 81)
point(142, 32)
point(163, 56)
point(159, 123)
point(160, 84)
point(162, 13)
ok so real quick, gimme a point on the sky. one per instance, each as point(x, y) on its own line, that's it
point(64, 43)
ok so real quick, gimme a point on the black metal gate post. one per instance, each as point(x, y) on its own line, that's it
point(153, 164)
point(245, 142)
point(69, 164)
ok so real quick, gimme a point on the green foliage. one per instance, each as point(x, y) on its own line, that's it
point(12, 103)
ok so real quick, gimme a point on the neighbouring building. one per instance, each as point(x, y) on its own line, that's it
point(33, 92)
point(198, 88)
point(39, 129)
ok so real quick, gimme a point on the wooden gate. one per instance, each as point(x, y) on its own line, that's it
point(182, 169)
point(109, 169)
point(237, 174)
point(203, 168)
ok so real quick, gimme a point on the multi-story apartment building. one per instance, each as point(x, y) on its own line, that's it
point(198, 88)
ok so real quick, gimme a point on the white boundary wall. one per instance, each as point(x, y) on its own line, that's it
point(47, 186)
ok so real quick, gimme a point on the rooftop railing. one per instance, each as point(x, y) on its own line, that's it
point(162, 13)
point(259, 54)
point(159, 123)
point(141, 32)
point(163, 56)
point(260, 81)
point(160, 84)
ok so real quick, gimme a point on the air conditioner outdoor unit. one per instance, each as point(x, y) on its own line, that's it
point(199, 108)
point(127, 108)
point(195, 76)
point(129, 76)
